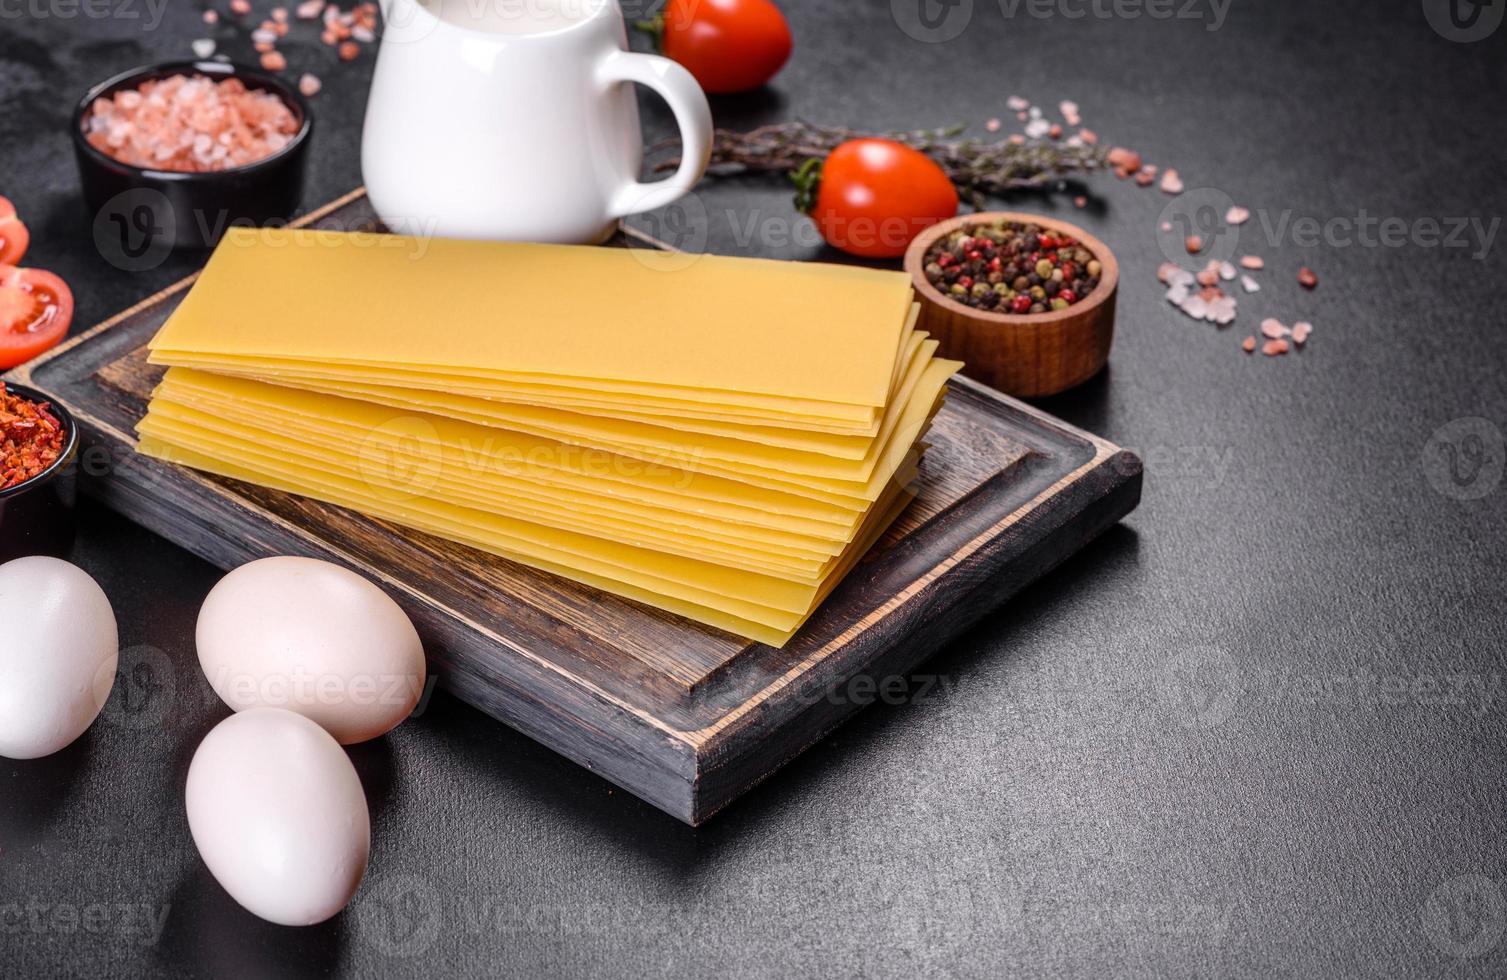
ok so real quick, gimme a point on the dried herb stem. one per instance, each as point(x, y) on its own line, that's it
point(978, 168)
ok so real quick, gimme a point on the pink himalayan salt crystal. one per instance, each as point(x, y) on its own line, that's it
point(240, 7)
point(1070, 113)
point(1252, 262)
point(1300, 332)
point(309, 85)
point(189, 124)
point(1237, 215)
point(211, 16)
point(992, 125)
point(309, 9)
point(1171, 182)
point(1273, 329)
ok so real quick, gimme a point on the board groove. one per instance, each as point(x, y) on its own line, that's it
point(684, 716)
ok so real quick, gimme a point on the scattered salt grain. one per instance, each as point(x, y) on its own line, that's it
point(1306, 278)
point(1248, 345)
point(309, 9)
point(1171, 182)
point(211, 17)
point(1274, 347)
point(1194, 244)
point(1249, 284)
point(1274, 329)
point(1252, 262)
point(1237, 215)
point(1300, 332)
point(1226, 271)
point(1070, 112)
point(203, 47)
point(274, 61)
point(363, 34)
point(992, 125)
point(1037, 128)
point(349, 50)
point(1017, 104)
point(240, 7)
point(1080, 202)
point(309, 85)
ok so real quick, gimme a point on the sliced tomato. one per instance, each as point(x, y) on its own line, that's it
point(13, 234)
point(36, 308)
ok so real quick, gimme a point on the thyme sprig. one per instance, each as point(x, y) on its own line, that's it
point(978, 168)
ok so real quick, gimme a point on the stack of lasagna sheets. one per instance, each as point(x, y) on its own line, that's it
point(720, 438)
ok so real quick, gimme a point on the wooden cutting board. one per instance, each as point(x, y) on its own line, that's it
point(686, 717)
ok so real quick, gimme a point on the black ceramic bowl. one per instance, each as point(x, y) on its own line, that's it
point(139, 211)
point(36, 515)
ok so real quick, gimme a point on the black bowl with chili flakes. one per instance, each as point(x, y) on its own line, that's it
point(1012, 267)
point(38, 479)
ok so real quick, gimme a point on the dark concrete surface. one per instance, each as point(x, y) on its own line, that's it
point(1256, 731)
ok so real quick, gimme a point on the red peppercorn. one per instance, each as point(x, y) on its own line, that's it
point(995, 264)
point(965, 281)
point(1068, 295)
point(974, 255)
point(946, 259)
point(1047, 242)
point(1021, 304)
point(1069, 271)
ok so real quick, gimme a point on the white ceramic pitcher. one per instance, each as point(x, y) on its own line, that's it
point(515, 119)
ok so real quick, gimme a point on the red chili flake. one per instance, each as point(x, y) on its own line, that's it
point(1088, 136)
point(31, 438)
point(1306, 278)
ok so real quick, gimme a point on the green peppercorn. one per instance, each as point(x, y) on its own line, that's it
point(1037, 293)
point(1057, 275)
point(1003, 289)
point(1044, 268)
point(1059, 304)
point(1095, 268)
point(981, 289)
point(1037, 308)
point(957, 290)
point(933, 271)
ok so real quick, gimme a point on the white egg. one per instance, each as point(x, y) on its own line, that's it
point(314, 638)
point(58, 653)
point(277, 812)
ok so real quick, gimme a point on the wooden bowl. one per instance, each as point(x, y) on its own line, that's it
point(1027, 355)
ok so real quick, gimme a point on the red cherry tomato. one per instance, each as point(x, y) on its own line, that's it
point(729, 45)
point(13, 234)
point(36, 308)
point(876, 195)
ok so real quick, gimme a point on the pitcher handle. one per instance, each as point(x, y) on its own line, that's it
point(692, 114)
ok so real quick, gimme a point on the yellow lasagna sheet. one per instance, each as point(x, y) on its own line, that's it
point(820, 334)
